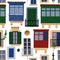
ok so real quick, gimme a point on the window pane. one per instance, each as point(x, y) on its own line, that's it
point(48, 13)
point(52, 8)
point(36, 32)
point(34, 1)
point(44, 57)
point(44, 0)
point(36, 37)
point(58, 1)
point(20, 11)
point(2, 13)
point(29, 40)
point(12, 6)
point(16, 6)
point(57, 8)
point(54, 35)
point(40, 32)
point(43, 13)
point(40, 37)
point(25, 52)
point(25, 44)
point(29, 44)
point(15, 37)
point(43, 8)
point(54, 42)
point(16, 11)
point(29, 52)
point(2, 52)
point(57, 13)
point(25, 40)
point(48, 9)
point(2, 9)
point(52, 13)
point(58, 54)
point(12, 11)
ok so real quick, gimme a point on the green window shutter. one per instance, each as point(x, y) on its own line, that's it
point(31, 13)
point(19, 38)
point(10, 37)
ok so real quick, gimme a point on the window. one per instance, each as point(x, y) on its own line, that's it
point(33, 59)
point(44, 0)
point(44, 57)
point(1, 1)
point(56, 38)
point(11, 53)
point(41, 35)
point(33, 1)
point(50, 12)
point(15, 37)
point(2, 55)
point(16, 10)
point(58, 1)
point(0, 38)
point(58, 54)
point(2, 12)
point(27, 46)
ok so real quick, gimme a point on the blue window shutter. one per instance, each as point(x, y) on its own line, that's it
point(58, 35)
point(11, 52)
point(58, 38)
point(45, 36)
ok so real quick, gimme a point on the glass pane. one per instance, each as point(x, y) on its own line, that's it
point(12, 11)
point(58, 1)
point(57, 8)
point(54, 42)
point(48, 9)
point(44, 57)
point(36, 37)
point(58, 51)
point(25, 44)
point(40, 32)
point(25, 52)
point(29, 40)
point(29, 44)
point(20, 6)
point(20, 11)
point(43, 8)
point(25, 40)
point(16, 11)
point(54, 34)
point(43, 13)
point(12, 6)
point(36, 32)
point(40, 37)
point(52, 8)
point(25, 48)
point(2, 9)
point(2, 52)
point(48, 13)
point(57, 13)
point(2, 13)
point(16, 6)
point(52, 13)
point(29, 52)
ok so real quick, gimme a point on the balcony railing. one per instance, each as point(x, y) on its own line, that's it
point(31, 23)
